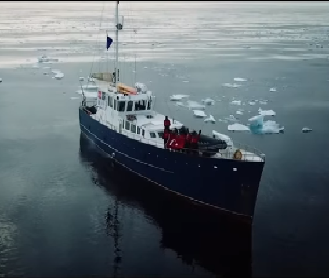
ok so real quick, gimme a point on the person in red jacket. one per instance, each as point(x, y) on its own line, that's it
point(172, 140)
point(165, 137)
point(180, 141)
point(166, 123)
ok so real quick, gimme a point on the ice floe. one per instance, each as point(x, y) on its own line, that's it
point(263, 102)
point(73, 98)
point(178, 97)
point(210, 119)
point(239, 112)
point(237, 127)
point(236, 102)
point(231, 85)
point(306, 130)
point(266, 112)
point(240, 79)
point(199, 113)
point(58, 74)
point(259, 126)
point(81, 78)
point(231, 118)
point(208, 101)
point(194, 104)
point(252, 102)
point(224, 137)
point(273, 89)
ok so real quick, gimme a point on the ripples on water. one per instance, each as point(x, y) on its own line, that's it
point(65, 212)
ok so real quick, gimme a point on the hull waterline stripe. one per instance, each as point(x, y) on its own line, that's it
point(165, 188)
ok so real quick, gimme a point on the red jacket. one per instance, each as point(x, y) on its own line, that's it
point(166, 122)
point(195, 139)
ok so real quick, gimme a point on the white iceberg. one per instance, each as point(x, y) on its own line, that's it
point(208, 101)
point(306, 129)
point(73, 98)
point(210, 119)
point(240, 79)
point(199, 113)
point(266, 112)
point(252, 102)
point(263, 102)
point(237, 127)
point(231, 118)
point(239, 112)
point(273, 89)
point(224, 137)
point(58, 74)
point(259, 126)
point(236, 102)
point(177, 97)
point(194, 104)
point(230, 85)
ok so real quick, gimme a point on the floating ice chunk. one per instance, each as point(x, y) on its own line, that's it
point(240, 79)
point(224, 137)
point(237, 127)
point(236, 102)
point(273, 89)
point(177, 97)
point(266, 112)
point(231, 118)
point(306, 130)
point(58, 74)
point(259, 126)
point(199, 113)
point(81, 78)
point(179, 103)
point(73, 98)
point(239, 112)
point(208, 101)
point(263, 102)
point(230, 85)
point(210, 119)
point(252, 102)
point(195, 104)
point(185, 81)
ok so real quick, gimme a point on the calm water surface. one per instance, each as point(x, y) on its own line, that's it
point(66, 211)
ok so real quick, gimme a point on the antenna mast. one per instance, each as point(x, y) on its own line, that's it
point(118, 27)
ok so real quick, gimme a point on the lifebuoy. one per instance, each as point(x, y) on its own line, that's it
point(237, 154)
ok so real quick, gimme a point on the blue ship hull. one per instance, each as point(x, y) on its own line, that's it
point(208, 181)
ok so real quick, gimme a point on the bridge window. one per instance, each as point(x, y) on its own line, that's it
point(133, 128)
point(110, 103)
point(130, 105)
point(160, 134)
point(149, 104)
point(127, 125)
point(143, 132)
point(115, 104)
point(121, 106)
point(103, 96)
point(152, 135)
point(140, 105)
point(138, 130)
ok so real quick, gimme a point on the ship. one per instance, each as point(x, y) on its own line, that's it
point(122, 122)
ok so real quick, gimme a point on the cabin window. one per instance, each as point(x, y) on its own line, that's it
point(138, 130)
point(127, 125)
point(121, 106)
point(149, 104)
point(152, 135)
point(160, 134)
point(143, 132)
point(110, 101)
point(130, 105)
point(103, 96)
point(115, 104)
point(140, 105)
point(133, 128)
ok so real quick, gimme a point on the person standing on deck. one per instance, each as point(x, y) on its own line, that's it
point(166, 123)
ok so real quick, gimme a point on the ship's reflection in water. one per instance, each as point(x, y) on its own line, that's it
point(198, 237)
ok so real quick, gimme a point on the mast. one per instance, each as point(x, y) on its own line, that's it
point(118, 27)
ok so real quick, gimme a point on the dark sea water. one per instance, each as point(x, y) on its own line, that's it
point(66, 211)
